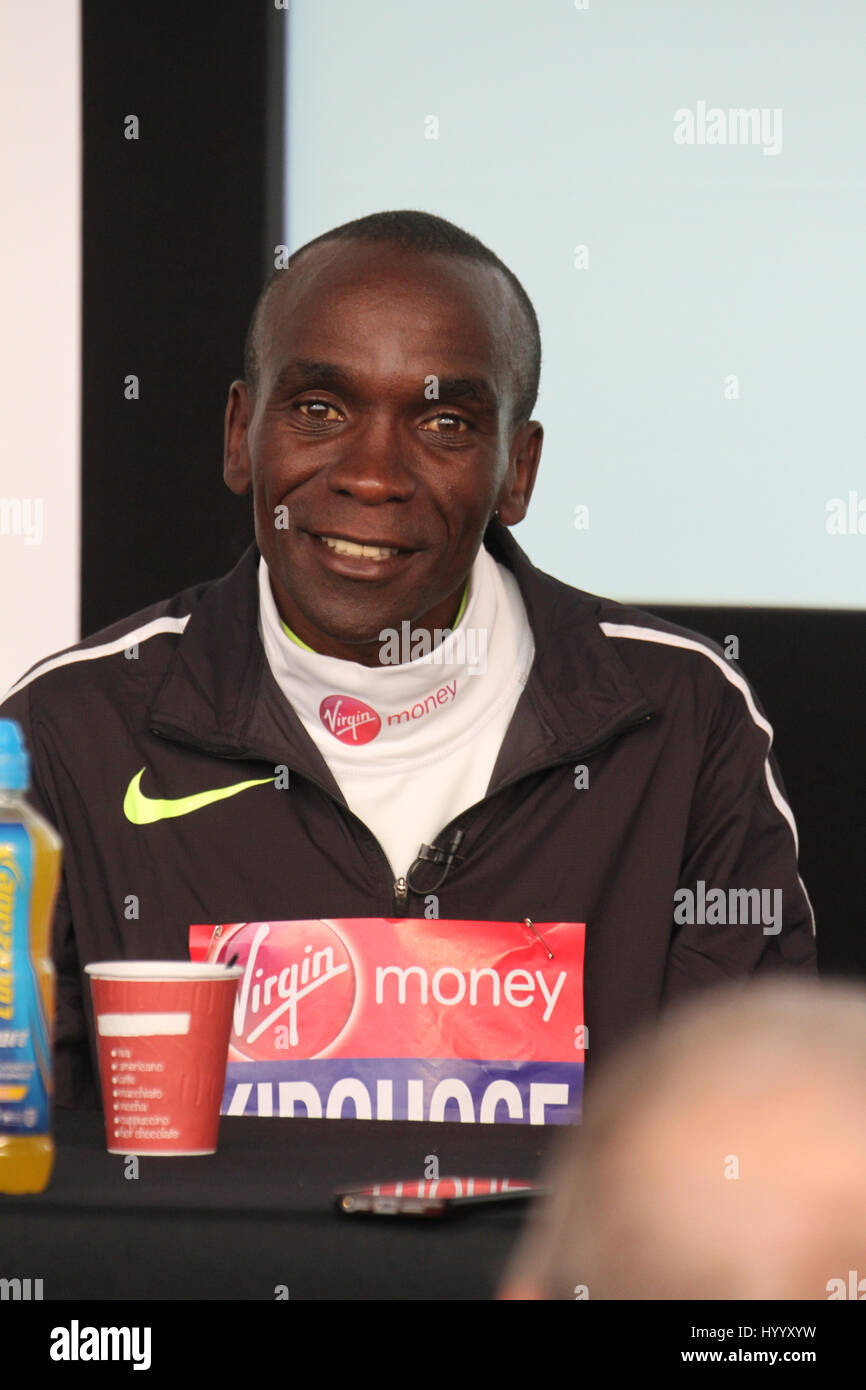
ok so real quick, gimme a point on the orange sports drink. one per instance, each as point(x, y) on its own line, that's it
point(30, 855)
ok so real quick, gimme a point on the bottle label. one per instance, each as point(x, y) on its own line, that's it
point(25, 1054)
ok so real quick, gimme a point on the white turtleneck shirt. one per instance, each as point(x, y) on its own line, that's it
point(413, 743)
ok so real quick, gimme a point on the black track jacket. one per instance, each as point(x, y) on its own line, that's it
point(683, 793)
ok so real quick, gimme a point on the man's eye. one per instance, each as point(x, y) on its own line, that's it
point(318, 411)
point(455, 424)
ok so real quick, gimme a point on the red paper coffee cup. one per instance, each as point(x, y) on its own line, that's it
point(162, 1032)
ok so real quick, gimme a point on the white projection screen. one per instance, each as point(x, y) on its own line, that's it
point(40, 351)
point(681, 189)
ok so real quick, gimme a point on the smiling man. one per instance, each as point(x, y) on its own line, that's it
point(250, 749)
point(385, 407)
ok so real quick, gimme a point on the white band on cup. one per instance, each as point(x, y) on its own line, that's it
point(141, 1025)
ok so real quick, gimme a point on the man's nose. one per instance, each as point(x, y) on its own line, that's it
point(374, 464)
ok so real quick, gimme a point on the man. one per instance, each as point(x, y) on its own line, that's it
point(722, 1156)
point(582, 763)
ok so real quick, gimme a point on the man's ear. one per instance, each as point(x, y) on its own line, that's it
point(236, 458)
point(514, 497)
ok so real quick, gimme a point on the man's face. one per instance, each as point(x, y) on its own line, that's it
point(347, 438)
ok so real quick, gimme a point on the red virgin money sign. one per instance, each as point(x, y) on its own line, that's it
point(404, 1018)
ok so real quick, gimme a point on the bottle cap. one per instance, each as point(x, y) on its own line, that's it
point(14, 758)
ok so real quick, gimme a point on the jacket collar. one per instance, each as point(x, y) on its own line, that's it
point(580, 692)
point(218, 693)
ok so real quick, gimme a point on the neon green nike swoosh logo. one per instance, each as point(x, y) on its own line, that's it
point(144, 810)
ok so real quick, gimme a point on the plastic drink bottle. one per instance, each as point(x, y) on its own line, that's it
point(30, 855)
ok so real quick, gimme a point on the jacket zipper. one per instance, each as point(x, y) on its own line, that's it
point(400, 887)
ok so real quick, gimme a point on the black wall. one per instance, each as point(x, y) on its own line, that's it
point(175, 230)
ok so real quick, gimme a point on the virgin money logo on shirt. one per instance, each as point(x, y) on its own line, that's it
point(351, 721)
point(348, 719)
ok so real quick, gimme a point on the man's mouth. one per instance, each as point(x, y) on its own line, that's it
point(369, 550)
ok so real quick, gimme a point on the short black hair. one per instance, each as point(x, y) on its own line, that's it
point(422, 232)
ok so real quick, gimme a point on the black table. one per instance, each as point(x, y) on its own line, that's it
point(259, 1214)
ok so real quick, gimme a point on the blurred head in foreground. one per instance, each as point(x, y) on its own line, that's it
point(723, 1156)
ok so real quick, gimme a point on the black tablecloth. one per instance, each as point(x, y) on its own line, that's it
point(259, 1214)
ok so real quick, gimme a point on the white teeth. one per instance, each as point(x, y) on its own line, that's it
point(370, 552)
